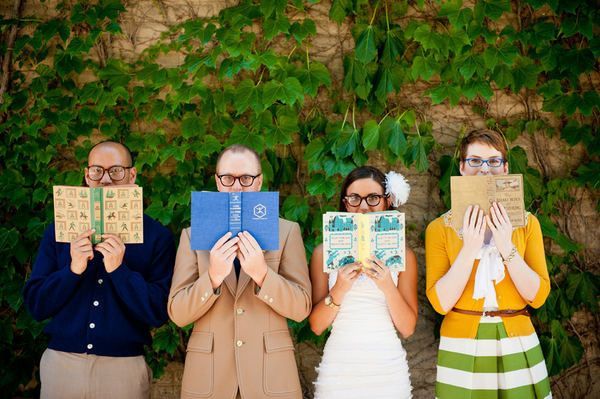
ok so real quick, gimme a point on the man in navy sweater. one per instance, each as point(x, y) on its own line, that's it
point(102, 299)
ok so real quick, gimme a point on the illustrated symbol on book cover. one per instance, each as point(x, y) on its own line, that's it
point(260, 211)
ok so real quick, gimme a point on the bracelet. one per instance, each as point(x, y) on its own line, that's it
point(511, 255)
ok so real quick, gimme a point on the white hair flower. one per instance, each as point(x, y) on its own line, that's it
point(397, 188)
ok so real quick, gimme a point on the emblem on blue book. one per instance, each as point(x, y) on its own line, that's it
point(260, 211)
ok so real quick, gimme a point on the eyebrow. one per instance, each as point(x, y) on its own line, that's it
point(373, 193)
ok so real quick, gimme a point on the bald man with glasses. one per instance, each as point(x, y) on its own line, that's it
point(239, 297)
point(101, 299)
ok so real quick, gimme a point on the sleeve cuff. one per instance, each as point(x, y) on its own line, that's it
point(435, 301)
point(264, 293)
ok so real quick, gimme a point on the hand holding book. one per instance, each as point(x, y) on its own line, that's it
point(221, 258)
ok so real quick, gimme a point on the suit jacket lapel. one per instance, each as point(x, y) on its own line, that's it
point(242, 283)
point(231, 282)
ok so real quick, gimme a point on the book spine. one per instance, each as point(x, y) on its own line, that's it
point(235, 213)
point(97, 213)
point(364, 238)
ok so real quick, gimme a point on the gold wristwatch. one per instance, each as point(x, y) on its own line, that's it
point(329, 302)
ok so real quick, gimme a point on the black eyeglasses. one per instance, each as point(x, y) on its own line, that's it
point(491, 162)
point(115, 172)
point(245, 180)
point(355, 200)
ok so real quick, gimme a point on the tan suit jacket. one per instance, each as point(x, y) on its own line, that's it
point(240, 337)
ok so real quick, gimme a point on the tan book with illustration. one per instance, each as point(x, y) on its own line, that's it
point(114, 209)
point(482, 191)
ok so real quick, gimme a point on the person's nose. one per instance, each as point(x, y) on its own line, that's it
point(237, 187)
point(364, 207)
point(484, 169)
point(106, 180)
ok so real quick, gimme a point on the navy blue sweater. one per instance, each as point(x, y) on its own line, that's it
point(108, 314)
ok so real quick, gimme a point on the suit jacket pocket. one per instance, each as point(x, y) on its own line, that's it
point(280, 374)
point(198, 373)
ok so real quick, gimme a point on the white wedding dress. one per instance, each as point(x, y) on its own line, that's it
point(363, 357)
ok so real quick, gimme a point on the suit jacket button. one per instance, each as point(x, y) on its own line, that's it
point(239, 311)
point(239, 343)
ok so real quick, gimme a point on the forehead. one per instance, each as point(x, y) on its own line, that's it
point(238, 163)
point(482, 150)
point(364, 187)
point(108, 155)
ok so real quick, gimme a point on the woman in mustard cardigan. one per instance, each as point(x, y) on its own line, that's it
point(482, 278)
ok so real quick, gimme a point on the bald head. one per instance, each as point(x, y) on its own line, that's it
point(117, 149)
point(110, 156)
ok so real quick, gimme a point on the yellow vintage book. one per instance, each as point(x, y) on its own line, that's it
point(113, 209)
point(482, 191)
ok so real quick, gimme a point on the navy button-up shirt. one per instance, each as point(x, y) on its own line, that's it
point(108, 314)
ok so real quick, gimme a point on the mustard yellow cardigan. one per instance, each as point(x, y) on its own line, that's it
point(442, 245)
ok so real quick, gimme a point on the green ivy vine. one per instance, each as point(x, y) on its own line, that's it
point(247, 76)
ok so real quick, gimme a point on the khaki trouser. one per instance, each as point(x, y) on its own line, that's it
point(67, 375)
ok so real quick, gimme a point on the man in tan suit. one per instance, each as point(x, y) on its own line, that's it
point(238, 298)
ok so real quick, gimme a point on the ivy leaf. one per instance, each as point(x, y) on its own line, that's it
point(301, 31)
point(385, 84)
point(525, 74)
point(241, 135)
point(347, 142)
point(315, 75)
point(418, 147)
point(286, 123)
point(288, 92)
point(370, 135)
point(503, 76)
point(192, 126)
point(314, 150)
point(443, 91)
point(320, 185)
point(470, 65)
point(392, 133)
point(339, 9)
point(475, 87)
point(269, 7)
point(506, 53)
point(247, 95)
point(429, 39)
point(424, 67)
point(163, 339)
point(459, 17)
point(295, 208)
point(493, 9)
point(550, 230)
point(272, 27)
point(582, 288)
point(365, 50)
point(392, 47)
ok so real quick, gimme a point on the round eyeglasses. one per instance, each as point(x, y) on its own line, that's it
point(245, 180)
point(355, 200)
point(491, 162)
point(116, 172)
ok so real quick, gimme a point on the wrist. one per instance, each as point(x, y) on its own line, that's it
point(337, 294)
point(509, 255)
point(260, 279)
point(215, 283)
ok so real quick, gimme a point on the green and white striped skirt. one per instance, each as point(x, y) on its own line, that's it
point(492, 365)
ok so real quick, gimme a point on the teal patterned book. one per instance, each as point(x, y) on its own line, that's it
point(351, 237)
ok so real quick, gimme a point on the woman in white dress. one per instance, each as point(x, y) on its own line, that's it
point(365, 304)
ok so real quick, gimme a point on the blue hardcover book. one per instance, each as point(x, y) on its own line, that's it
point(216, 213)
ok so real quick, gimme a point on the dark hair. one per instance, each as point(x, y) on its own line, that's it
point(362, 172)
point(485, 136)
point(237, 148)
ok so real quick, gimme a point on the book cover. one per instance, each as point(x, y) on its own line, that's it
point(482, 191)
point(113, 209)
point(350, 237)
point(216, 213)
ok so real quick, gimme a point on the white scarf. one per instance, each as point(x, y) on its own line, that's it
point(490, 269)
